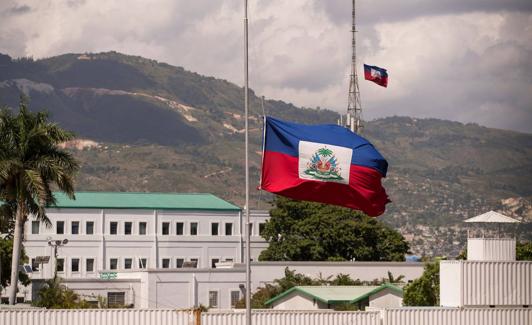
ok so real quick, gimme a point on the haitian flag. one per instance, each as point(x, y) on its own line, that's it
point(323, 163)
point(376, 74)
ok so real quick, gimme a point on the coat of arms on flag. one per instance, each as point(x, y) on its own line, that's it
point(376, 74)
point(323, 163)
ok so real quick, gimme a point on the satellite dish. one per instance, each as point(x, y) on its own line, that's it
point(65, 241)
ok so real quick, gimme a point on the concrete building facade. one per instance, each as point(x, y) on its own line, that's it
point(135, 231)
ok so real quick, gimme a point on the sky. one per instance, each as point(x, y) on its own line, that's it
point(467, 61)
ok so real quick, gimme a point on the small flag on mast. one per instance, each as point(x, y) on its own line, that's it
point(376, 74)
point(323, 163)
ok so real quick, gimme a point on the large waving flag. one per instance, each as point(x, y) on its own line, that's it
point(376, 74)
point(323, 163)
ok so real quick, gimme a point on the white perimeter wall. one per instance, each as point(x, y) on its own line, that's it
point(399, 316)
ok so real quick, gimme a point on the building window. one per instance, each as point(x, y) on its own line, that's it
point(229, 260)
point(166, 263)
point(235, 298)
point(251, 229)
point(213, 299)
point(35, 227)
point(75, 227)
point(142, 228)
point(229, 229)
point(195, 262)
point(262, 226)
point(116, 299)
point(127, 228)
point(34, 265)
point(113, 228)
point(89, 228)
point(179, 228)
point(113, 263)
point(214, 228)
point(128, 263)
point(143, 263)
point(193, 228)
point(60, 265)
point(179, 262)
point(60, 227)
point(89, 265)
point(166, 228)
point(74, 267)
point(214, 261)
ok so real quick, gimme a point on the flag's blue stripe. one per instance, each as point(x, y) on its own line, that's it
point(382, 70)
point(284, 137)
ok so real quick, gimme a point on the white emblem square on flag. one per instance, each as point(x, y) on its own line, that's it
point(324, 162)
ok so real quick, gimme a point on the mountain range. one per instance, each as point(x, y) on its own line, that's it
point(144, 125)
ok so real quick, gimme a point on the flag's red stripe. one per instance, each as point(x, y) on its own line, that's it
point(280, 175)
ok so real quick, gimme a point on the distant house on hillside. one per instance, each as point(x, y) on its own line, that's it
point(327, 297)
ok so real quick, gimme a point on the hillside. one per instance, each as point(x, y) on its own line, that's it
point(155, 127)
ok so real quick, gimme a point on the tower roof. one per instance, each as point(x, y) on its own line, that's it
point(492, 217)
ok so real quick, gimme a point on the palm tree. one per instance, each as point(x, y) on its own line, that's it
point(30, 162)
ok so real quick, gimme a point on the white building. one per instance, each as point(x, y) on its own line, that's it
point(221, 287)
point(490, 276)
point(135, 231)
point(153, 250)
point(327, 297)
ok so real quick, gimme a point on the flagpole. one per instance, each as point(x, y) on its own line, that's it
point(246, 206)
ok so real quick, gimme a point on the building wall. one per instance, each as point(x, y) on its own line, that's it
point(386, 298)
point(187, 287)
point(491, 249)
point(266, 272)
point(484, 283)
point(451, 278)
point(102, 246)
point(296, 301)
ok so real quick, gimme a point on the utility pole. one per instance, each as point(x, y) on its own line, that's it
point(353, 119)
point(246, 206)
point(54, 244)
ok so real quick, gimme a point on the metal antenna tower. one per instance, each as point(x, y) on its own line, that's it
point(353, 120)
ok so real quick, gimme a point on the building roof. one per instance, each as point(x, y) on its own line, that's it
point(492, 217)
point(337, 294)
point(133, 200)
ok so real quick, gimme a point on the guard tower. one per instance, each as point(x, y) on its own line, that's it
point(491, 276)
point(486, 242)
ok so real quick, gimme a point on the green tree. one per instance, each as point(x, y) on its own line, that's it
point(307, 231)
point(6, 250)
point(524, 251)
point(55, 295)
point(424, 291)
point(30, 162)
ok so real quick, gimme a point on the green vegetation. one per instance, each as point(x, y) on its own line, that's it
point(30, 162)
point(54, 295)
point(306, 231)
point(425, 290)
point(524, 251)
point(6, 253)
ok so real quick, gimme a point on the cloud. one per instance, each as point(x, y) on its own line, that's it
point(461, 60)
point(15, 10)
